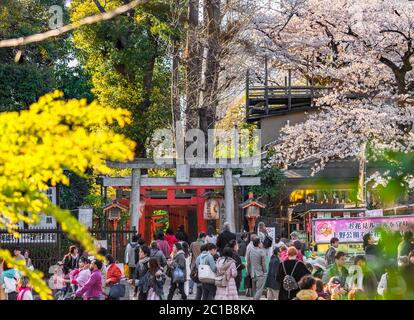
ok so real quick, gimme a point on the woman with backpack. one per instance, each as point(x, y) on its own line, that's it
point(289, 274)
point(156, 280)
point(177, 269)
point(226, 268)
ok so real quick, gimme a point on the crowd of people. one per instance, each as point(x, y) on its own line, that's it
point(212, 268)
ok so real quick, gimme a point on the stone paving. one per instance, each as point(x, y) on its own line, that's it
point(177, 295)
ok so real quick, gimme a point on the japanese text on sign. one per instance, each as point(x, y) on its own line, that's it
point(353, 230)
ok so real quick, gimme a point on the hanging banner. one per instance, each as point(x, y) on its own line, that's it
point(354, 229)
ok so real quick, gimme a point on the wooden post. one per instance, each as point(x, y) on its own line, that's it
point(229, 198)
point(135, 195)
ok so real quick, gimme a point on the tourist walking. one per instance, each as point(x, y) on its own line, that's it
point(131, 255)
point(203, 253)
point(71, 260)
point(337, 269)
point(17, 252)
point(158, 254)
point(331, 252)
point(156, 280)
point(163, 244)
point(272, 285)
point(211, 235)
point(170, 238)
point(81, 276)
point(92, 290)
point(26, 255)
point(256, 259)
point(181, 235)
point(113, 275)
point(226, 267)
point(207, 258)
point(289, 275)
point(225, 237)
point(8, 280)
point(195, 250)
point(243, 244)
point(141, 272)
point(265, 239)
point(369, 281)
point(187, 255)
point(234, 246)
point(177, 271)
point(24, 290)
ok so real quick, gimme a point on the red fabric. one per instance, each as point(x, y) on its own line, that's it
point(171, 239)
point(113, 274)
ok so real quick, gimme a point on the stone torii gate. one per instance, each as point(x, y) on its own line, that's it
point(136, 181)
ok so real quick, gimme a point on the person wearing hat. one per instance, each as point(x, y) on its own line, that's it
point(319, 267)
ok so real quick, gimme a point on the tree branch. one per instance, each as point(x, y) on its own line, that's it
point(70, 27)
point(98, 4)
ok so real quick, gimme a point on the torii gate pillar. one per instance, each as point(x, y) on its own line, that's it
point(135, 194)
point(229, 198)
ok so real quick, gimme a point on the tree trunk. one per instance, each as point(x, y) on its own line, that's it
point(212, 21)
point(175, 84)
point(194, 65)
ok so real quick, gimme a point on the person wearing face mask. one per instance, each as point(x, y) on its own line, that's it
point(92, 290)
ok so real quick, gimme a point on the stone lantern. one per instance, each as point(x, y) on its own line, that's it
point(252, 208)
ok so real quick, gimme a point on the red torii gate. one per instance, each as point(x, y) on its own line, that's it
point(177, 208)
point(142, 205)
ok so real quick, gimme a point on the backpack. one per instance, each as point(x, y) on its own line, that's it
point(289, 282)
point(267, 242)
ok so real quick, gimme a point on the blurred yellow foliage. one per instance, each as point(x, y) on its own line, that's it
point(37, 145)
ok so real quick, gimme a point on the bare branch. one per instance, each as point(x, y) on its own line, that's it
point(70, 27)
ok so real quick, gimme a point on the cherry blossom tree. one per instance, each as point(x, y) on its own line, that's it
point(364, 52)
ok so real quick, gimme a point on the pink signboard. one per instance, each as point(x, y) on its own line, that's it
point(353, 229)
